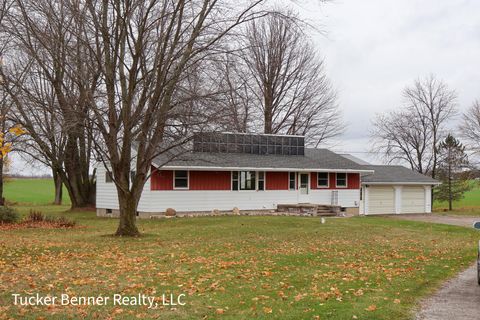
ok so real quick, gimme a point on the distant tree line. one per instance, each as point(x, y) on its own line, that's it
point(116, 83)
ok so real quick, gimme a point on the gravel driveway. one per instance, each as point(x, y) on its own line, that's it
point(458, 298)
point(454, 220)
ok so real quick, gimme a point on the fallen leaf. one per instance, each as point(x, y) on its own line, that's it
point(371, 308)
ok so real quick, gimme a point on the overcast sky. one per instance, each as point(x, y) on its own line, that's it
point(374, 48)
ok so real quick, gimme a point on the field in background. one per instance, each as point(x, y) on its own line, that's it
point(32, 191)
point(469, 205)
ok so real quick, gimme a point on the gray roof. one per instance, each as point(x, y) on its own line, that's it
point(314, 159)
point(395, 174)
point(355, 159)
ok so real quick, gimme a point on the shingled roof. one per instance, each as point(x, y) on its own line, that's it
point(313, 160)
point(395, 174)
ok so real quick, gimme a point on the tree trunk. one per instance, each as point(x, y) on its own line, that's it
point(2, 199)
point(57, 180)
point(450, 207)
point(128, 215)
point(76, 177)
point(268, 113)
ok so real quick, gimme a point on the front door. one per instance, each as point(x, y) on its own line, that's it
point(303, 188)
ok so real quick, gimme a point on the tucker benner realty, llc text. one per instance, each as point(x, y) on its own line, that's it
point(151, 302)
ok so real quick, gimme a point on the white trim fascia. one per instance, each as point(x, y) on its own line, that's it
point(402, 183)
point(204, 168)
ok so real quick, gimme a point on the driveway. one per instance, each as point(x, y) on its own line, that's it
point(453, 220)
point(458, 298)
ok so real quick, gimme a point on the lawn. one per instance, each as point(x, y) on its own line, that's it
point(233, 267)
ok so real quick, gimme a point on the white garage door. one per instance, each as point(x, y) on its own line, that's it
point(381, 200)
point(413, 200)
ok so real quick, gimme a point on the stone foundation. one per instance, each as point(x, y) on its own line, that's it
point(109, 213)
point(114, 213)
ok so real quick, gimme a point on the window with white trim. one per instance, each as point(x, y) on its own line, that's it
point(322, 179)
point(261, 181)
point(235, 180)
point(180, 179)
point(247, 180)
point(291, 181)
point(244, 180)
point(341, 180)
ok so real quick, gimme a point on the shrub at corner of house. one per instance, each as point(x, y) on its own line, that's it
point(8, 215)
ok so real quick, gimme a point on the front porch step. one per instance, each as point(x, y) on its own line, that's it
point(309, 209)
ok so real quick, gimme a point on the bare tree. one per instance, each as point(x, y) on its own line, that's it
point(403, 137)
point(145, 51)
point(48, 61)
point(470, 126)
point(235, 101)
point(412, 133)
point(431, 99)
point(289, 81)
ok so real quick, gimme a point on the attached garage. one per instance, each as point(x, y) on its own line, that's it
point(413, 199)
point(381, 200)
point(395, 190)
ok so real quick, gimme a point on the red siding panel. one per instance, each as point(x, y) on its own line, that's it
point(313, 180)
point(161, 179)
point(332, 184)
point(210, 180)
point(276, 181)
point(353, 181)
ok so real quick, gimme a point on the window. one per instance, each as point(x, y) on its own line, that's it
point(180, 180)
point(322, 180)
point(108, 177)
point(235, 180)
point(342, 180)
point(291, 181)
point(261, 180)
point(245, 180)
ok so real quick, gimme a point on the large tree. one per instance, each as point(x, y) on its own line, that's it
point(146, 52)
point(434, 102)
point(288, 79)
point(452, 160)
point(52, 88)
point(402, 136)
point(411, 133)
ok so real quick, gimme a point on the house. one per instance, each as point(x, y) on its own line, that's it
point(257, 172)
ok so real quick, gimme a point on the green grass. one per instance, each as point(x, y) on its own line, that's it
point(233, 267)
point(468, 206)
point(32, 191)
